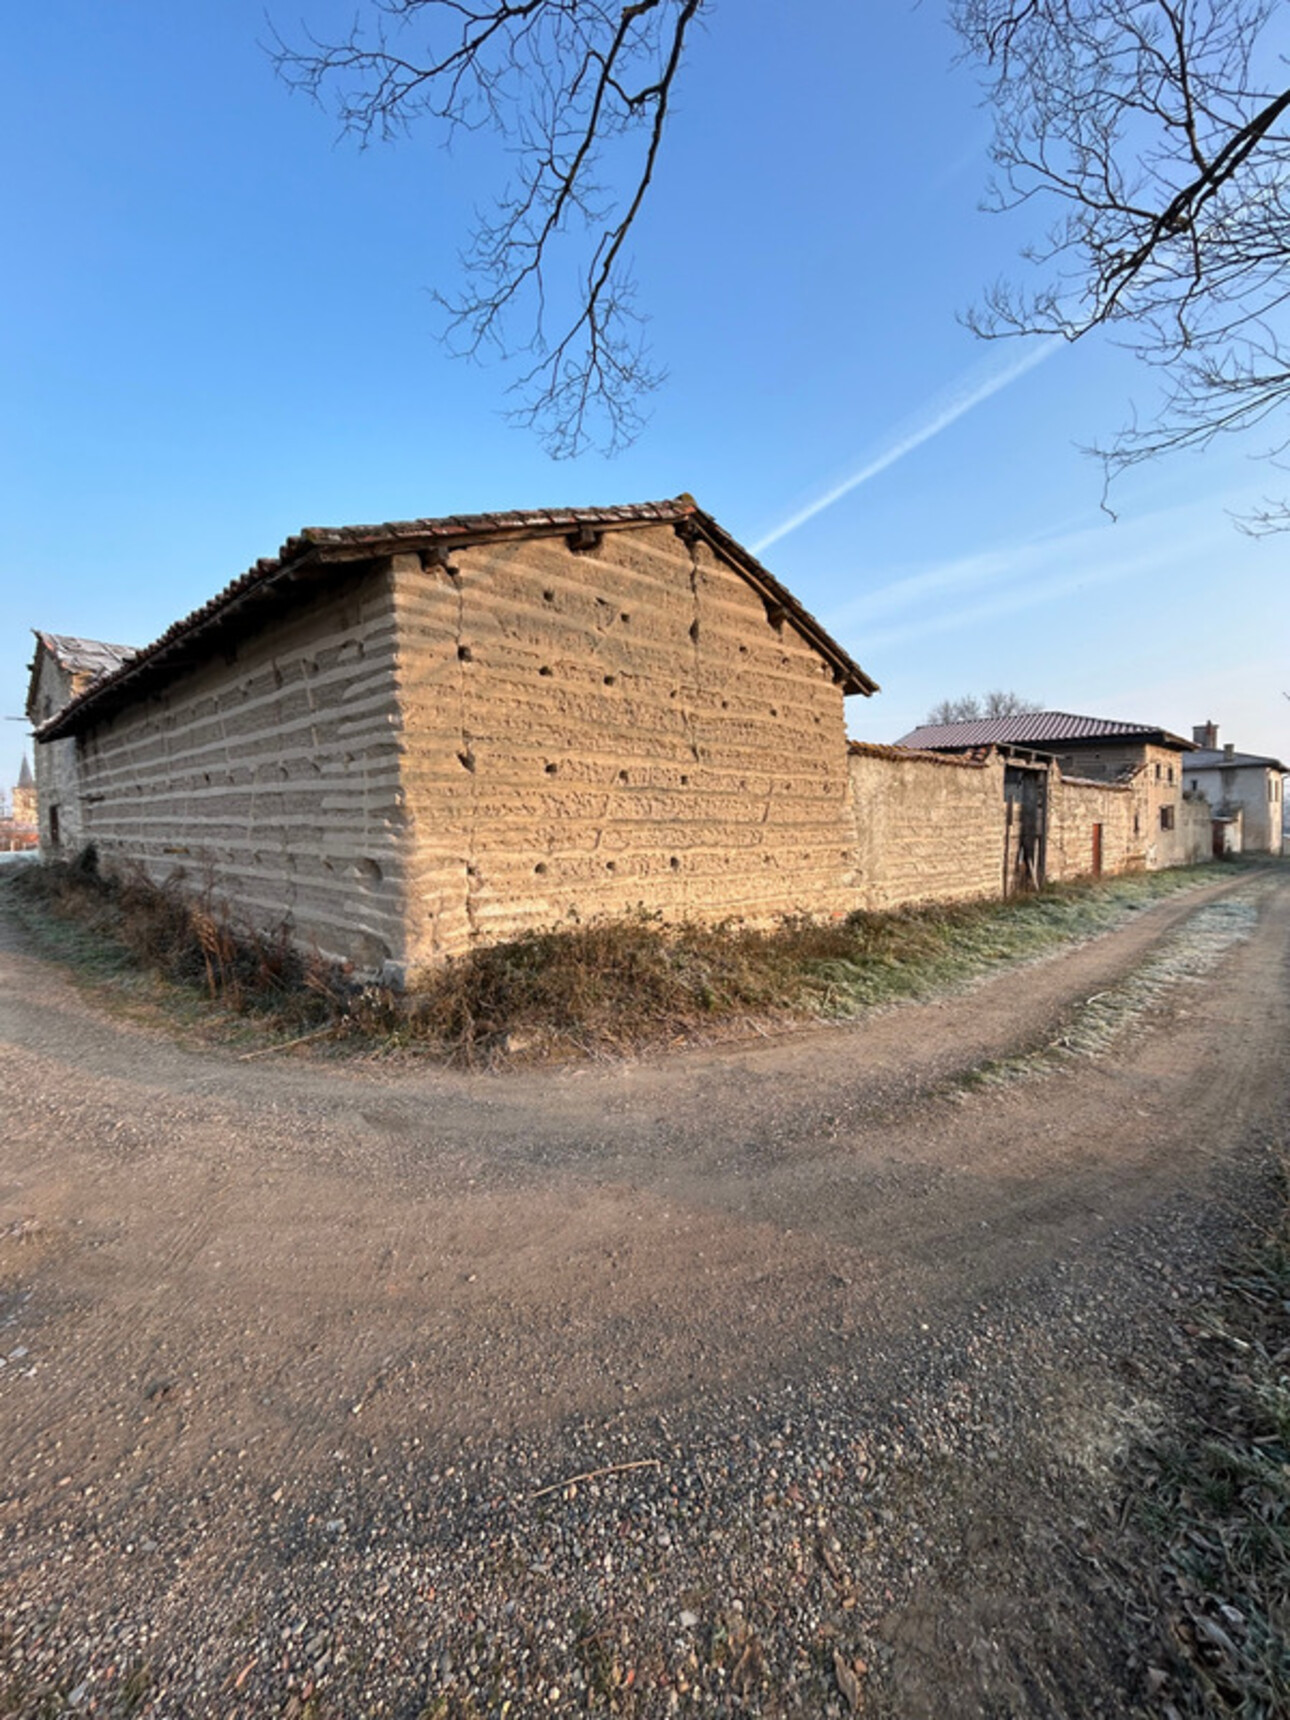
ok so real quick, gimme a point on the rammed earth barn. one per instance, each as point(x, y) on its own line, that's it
point(399, 739)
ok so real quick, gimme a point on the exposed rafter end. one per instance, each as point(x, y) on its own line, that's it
point(437, 559)
point(583, 539)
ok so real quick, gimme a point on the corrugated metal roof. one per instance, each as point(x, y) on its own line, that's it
point(318, 548)
point(1037, 729)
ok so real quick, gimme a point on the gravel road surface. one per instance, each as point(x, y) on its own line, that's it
point(844, 1328)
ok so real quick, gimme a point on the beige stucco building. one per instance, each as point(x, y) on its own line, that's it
point(400, 740)
point(1249, 784)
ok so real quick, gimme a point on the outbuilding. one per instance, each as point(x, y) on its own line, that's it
point(400, 740)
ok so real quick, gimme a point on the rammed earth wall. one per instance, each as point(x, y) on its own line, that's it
point(932, 827)
point(427, 756)
point(397, 742)
point(929, 827)
point(269, 776)
point(589, 732)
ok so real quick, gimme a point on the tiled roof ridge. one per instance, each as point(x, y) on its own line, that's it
point(476, 525)
point(313, 543)
point(954, 761)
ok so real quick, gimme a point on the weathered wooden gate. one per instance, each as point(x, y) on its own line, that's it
point(1025, 840)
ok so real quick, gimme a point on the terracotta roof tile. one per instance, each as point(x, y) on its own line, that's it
point(84, 656)
point(323, 545)
point(903, 754)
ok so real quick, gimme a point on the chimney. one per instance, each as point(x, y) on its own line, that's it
point(1206, 735)
point(1229, 749)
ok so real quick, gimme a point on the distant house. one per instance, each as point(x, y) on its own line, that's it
point(1249, 783)
point(402, 740)
point(1167, 829)
point(63, 669)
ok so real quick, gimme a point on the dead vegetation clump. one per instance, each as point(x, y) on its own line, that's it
point(604, 986)
point(112, 924)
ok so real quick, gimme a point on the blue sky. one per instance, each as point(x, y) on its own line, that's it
point(218, 329)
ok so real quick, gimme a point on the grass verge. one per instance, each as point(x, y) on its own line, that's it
point(609, 986)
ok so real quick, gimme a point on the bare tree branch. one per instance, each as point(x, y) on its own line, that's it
point(1162, 130)
point(566, 83)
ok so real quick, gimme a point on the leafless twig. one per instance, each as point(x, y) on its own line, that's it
point(596, 1474)
point(567, 84)
point(1162, 130)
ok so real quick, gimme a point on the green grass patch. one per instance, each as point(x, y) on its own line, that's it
point(608, 985)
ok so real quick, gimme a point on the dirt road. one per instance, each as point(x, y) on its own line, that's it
point(290, 1346)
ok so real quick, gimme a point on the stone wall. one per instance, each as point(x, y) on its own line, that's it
point(929, 827)
point(590, 732)
point(269, 776)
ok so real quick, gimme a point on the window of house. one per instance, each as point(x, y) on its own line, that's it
point(54, 837)
point(1166, 817)
point(1157, 770)
point(1171, 773)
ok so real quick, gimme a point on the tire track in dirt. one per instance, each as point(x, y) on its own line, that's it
point(569, 1262)
point(474, 1252)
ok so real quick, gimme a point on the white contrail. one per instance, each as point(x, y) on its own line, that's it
point(942, 417)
